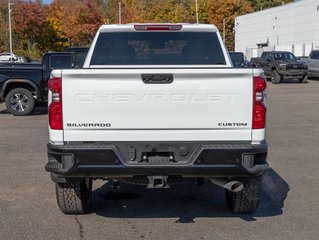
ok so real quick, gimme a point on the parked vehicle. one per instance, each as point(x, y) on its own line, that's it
point(313, 63)
point(22, 85)
point(279, 65)
point(77, 49)
point(153, 105)
point(79, 55)
point(10, 57)
point(238, 60)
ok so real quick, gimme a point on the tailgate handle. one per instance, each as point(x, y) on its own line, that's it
point(157, 78)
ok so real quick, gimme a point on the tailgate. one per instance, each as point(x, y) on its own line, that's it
point(117, 105)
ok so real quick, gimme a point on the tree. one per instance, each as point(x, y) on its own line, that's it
point(218, 10)
point(79, 20)
point(38, 27)
point(4, 24)
point(29, 24)
point(109, 10)
point(54, 38)
point(134, 11)
point(210, 11)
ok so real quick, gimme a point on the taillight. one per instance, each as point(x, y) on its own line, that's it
point(55, 108)
point(158, 27)
point(259, 103)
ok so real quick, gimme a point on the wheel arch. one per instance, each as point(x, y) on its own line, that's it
point(19, 83)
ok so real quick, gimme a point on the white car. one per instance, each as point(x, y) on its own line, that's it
point(10, 57)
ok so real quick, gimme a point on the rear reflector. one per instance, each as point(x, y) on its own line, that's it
point(259, 104)
point(158, 27)
point(55, 108)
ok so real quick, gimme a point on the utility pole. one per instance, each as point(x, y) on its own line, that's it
point(10, 31)
point(196, 2)
point(224, 30)
point(120, 13)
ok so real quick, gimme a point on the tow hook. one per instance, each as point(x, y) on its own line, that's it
point(157, 182)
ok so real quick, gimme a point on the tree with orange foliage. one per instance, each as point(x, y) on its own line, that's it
point(79, 20)
point(38, 27)
point(29, 24)
point(218, 10)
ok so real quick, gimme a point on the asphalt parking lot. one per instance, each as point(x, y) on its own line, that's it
point(289, 206)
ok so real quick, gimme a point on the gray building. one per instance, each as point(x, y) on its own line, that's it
point(291, 27)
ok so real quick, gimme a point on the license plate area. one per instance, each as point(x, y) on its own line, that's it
point(157, 157)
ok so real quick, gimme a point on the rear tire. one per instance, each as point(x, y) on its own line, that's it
point(74, 198)
point(275, 77)
point(247, 200)
point(304, 79)
point(20, 102)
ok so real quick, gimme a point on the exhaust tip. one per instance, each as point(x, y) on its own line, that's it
point(233, 186)
point(236, 186)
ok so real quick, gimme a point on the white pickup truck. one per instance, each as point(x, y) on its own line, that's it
point(156, 104)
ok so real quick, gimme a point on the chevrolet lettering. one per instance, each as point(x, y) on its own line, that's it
point(198, 97)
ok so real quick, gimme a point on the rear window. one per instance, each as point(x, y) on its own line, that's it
point(78, 59)
point(157, 48)
point(236, 57)
point(60, 62)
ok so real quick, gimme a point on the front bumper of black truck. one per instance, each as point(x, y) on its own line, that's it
point(292, 73)
point(128, 159)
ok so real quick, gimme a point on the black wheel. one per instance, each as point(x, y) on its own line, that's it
point(74, 198)
point(20, 101)
point(247, 200)
point(275, 77)
point(304, 79)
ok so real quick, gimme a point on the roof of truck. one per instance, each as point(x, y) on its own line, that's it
point(134, 26)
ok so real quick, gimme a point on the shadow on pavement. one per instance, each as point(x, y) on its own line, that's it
point(297, 82)
point(313, 78)
point(291, 81)
point(184, 201)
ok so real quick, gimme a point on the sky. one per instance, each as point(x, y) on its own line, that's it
point(47, 1)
